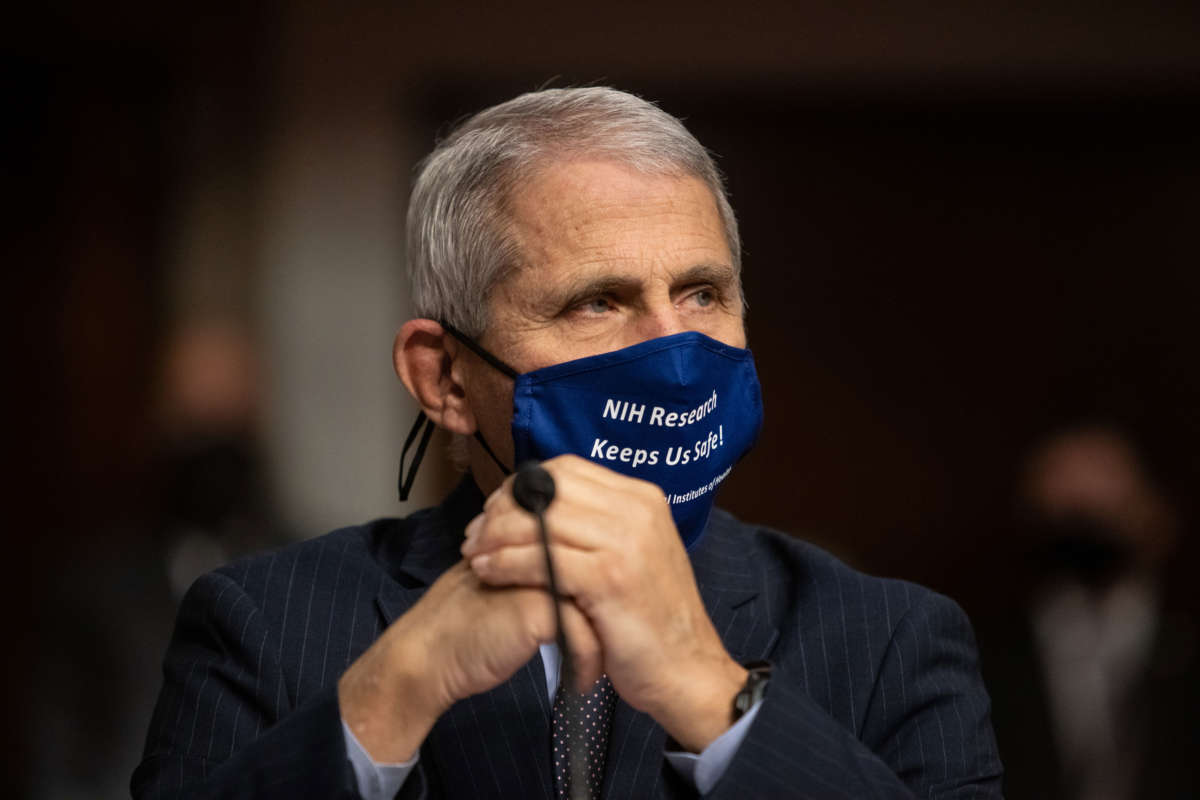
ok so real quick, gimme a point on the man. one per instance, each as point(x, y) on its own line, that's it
point(1096, 660)
point(575, 269)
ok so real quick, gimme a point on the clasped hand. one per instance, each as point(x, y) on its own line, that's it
point(631, 606)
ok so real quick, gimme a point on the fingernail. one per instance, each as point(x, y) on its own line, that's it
point(481, 563)
point(471, 533)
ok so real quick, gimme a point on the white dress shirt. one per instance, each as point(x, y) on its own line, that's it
point(1093, 647)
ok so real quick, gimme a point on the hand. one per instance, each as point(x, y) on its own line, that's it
point(460, 639)
point(619, 558)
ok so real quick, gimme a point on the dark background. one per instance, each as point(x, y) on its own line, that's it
point(965, 226)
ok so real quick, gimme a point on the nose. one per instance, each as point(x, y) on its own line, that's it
point(660, 321)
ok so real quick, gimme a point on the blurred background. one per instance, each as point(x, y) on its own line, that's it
point(968, 228)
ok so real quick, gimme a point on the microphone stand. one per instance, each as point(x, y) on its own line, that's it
point(533, 489)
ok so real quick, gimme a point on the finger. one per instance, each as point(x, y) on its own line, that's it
point(578, 469)
point(568, 479)
point(525, 565)
point(587, 655)
point(600, 493)
point(531, 607)
point(471, 532)
point(490, 531)
point(502, 497)
point(517, 565)
point(583, 521)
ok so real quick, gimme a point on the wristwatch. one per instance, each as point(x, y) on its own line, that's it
point(753, 690)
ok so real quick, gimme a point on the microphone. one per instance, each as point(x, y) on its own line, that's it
point(533, 488)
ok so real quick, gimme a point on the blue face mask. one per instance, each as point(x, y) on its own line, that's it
point(678, 411)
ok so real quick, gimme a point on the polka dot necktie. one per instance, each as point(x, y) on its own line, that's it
point(581, 723)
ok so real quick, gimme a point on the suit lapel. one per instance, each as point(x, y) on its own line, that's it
point(426, 545)
point(496, 744)
point(732, 592)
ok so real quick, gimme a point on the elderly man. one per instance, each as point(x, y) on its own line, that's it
point(575, 267)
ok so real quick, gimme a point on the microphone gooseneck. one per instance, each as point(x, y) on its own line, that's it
point(533, 489)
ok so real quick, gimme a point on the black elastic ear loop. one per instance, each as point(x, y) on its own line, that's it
point(404, 484)
point(482, 443)
point(479, 351)
point(499, 365)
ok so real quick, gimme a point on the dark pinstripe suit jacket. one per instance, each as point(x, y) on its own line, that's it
point(876, 690)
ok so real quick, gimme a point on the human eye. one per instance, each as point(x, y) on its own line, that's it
point(703, 296)
point(592, 306)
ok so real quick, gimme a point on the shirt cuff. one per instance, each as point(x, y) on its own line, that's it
point(704, 770)
point(375, 781)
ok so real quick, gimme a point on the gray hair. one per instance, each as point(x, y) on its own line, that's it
point(458, 247)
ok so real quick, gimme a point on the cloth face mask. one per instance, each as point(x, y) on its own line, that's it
point(678, 411)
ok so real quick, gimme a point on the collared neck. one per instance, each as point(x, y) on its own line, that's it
point(428, 542)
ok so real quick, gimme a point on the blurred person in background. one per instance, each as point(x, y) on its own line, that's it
point(204, 503)
point(1095, 672)
point(215, 503)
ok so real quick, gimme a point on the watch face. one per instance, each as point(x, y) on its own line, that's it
point(754, 688)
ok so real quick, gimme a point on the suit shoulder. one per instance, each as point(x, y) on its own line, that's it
point(790, 560)
point(327, 562)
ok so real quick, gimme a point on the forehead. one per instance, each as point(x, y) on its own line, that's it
point(589, 215)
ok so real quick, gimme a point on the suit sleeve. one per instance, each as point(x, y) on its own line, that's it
point(227, 723)
point(925, 732)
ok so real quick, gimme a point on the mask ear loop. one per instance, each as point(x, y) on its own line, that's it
point(474, 346)
point(499, 366)
point(479, 438)
point(403, 483)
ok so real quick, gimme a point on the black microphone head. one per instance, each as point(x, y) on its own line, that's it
point(533, 487)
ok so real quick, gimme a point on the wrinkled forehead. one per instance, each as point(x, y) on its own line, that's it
point(602, 210)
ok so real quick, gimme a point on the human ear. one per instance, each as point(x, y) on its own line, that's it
point(423, 355)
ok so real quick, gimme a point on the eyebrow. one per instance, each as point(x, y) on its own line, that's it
point(720, 275)
point(574, 292)
point(716, 274)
